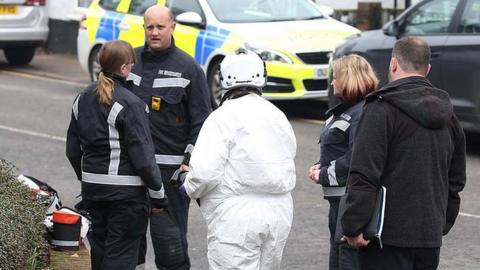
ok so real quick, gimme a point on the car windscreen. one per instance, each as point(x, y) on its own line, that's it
point(248, 11)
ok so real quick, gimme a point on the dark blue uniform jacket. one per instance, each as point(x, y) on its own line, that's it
point(110, 147)
point(175, 89)
point(336, 142)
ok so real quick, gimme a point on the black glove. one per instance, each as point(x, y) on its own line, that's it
point(159, 203)
point(178, 178)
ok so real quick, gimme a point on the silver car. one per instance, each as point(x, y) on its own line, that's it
point(23, 27)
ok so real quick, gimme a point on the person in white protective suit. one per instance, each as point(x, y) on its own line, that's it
point(242, 170)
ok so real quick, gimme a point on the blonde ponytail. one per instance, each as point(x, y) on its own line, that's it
point(112, 56)
point(105, 89)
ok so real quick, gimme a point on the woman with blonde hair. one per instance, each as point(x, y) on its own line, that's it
point(353, 79)
point(111, 150)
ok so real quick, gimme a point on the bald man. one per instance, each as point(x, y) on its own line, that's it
point(176, 91)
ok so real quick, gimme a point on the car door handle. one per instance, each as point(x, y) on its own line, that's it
point(123, 27)
point(435, 54)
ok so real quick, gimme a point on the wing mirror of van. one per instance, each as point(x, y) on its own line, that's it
point(391, 28)
point(190, 18)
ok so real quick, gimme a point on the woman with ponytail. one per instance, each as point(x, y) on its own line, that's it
point(111, 150)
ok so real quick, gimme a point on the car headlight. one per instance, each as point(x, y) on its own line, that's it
point(269, 55)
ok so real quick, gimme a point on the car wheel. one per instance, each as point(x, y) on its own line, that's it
point(19, 56)
point(94, 64)
point(213, 79)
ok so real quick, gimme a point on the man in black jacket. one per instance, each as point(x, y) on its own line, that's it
point(176, 91)
point(410, 141)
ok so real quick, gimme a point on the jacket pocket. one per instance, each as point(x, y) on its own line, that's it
point(172, 95)
point(166, 106)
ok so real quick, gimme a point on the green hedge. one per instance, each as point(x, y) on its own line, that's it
point(22, 233)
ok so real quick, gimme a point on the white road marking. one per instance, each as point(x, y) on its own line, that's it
point(45, 78)
point(468, 215)
point(312, 121)
point(33, 133)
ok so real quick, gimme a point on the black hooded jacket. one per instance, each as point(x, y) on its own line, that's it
point(410, 141)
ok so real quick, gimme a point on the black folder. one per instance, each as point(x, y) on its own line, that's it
point(374, 228)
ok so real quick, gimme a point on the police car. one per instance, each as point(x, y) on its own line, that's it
point(294, 38)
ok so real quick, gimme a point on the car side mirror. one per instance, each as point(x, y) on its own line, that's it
point(392, 29)
point(190, 18)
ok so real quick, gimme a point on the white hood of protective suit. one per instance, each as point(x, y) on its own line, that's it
point(246, 146)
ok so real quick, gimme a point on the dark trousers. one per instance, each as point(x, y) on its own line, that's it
point(117, 228)
point(168, 230)
point(342, 256)
point(397, 258)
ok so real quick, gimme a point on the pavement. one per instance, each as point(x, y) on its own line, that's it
point(55, 66)
point(66, 68)
point(67, 260)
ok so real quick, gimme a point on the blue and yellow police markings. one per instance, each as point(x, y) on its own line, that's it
point(108, 28)
point(208, 41)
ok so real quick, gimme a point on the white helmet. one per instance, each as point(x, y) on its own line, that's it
point(244, 68)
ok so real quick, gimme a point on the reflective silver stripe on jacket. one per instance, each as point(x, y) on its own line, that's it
point(114, 139)
point(169, 159)
point(105, 179)
point(135, 78)
point(341, 124)
point(328, 120)
point(333, 191)
point(157, 194)
point(346, 116)
point(64, 243)
point(75, 108)
point(171, 82)
point(332, 176)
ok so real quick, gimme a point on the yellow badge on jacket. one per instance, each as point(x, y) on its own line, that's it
point(156, 102)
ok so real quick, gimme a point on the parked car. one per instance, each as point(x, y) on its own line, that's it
point(296, 40)
point(452, 29)
point(23, 27)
